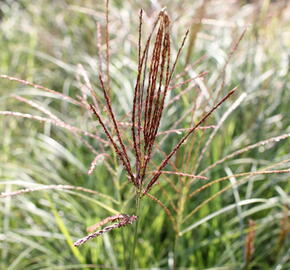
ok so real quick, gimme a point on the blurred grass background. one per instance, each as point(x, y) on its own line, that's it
point(44, 41)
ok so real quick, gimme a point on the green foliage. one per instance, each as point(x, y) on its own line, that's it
point(45, 42)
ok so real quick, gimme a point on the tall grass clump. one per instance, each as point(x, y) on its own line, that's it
point(143, 133)
point(151, 88)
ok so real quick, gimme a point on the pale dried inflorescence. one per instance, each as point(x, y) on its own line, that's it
point(123, 221)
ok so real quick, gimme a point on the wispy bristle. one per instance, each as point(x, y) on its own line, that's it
point(94, 162)
point(37, 86)
point(183, 174)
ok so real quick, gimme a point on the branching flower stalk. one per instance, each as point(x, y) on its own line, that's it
point(152, 84)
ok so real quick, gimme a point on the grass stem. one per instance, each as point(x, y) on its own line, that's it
point(135, 237)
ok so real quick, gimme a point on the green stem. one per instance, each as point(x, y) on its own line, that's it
point(179, 220)
point(176, 246)
point(135, 237)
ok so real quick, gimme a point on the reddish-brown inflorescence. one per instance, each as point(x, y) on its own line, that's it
point(152, 84)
